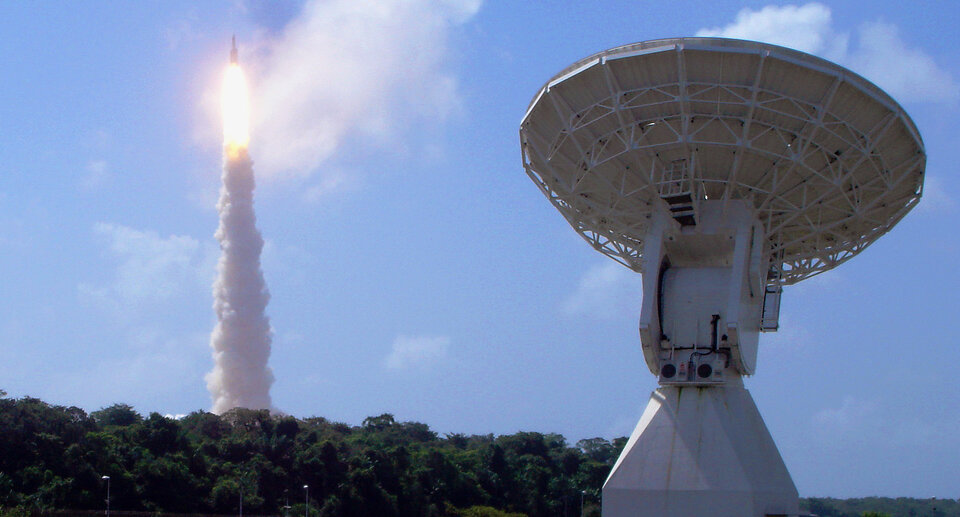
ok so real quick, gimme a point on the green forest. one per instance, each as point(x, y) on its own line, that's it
point(54, 458)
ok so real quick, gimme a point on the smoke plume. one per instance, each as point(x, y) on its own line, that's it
point(241, 339)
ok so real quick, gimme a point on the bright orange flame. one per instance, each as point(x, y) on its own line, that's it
point(236, 108)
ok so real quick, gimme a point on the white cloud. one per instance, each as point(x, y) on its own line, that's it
point(142, 374)
point(332, 182)
point(884, 58)
point(832, 424)
point(793, 338)
point(14, 232)
point(881, 55)
point(152, 273)
point(605, 291)
point(807, 28)
point(874, 426)
point(150, 267)
point(97, 173)
point(417, 352)
point(352, 69)
point(181, 33)
point(290, 262)
point(936, 197)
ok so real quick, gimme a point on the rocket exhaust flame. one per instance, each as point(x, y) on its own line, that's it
point(241, 339)
point(236, 108)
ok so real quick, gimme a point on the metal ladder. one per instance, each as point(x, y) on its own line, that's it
point(676, 187)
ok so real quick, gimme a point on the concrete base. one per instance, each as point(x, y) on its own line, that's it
point(700, 451)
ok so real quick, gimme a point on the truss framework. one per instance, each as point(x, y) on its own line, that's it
point(828, 161)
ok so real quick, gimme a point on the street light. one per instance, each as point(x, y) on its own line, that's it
point(582, 493)
point(107, 479)
point(306, 500)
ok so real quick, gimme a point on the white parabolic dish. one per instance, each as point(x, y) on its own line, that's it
point(828, 161)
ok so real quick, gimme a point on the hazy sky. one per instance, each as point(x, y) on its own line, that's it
point(413, 267)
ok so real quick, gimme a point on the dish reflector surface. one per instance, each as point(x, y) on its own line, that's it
point(828, 161)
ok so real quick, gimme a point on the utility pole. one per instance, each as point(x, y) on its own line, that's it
point(306, 500)
point(107, 479)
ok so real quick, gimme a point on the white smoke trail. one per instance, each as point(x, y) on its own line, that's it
point(241, 339)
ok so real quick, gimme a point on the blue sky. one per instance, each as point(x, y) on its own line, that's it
point(413, 267)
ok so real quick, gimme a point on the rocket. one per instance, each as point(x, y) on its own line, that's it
point(233, 51)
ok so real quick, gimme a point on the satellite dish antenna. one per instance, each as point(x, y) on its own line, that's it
point(722, 170)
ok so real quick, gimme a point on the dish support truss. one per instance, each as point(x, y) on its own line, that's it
point(818, 205)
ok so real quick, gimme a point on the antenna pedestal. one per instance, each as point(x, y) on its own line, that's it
point(700, 451)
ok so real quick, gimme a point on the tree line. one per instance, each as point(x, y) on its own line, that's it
point(54, 458)
point(881, 507)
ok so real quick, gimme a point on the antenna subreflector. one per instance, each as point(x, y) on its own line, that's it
point(722, 170)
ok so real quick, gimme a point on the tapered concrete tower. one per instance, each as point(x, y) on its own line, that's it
point(721, 170)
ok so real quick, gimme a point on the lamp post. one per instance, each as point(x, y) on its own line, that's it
point(107, 479)
point(306, 500)
point(582, 493)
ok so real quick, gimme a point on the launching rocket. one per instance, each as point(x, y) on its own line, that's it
point(235, 103)
point(233, 51)
point(241, 339)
